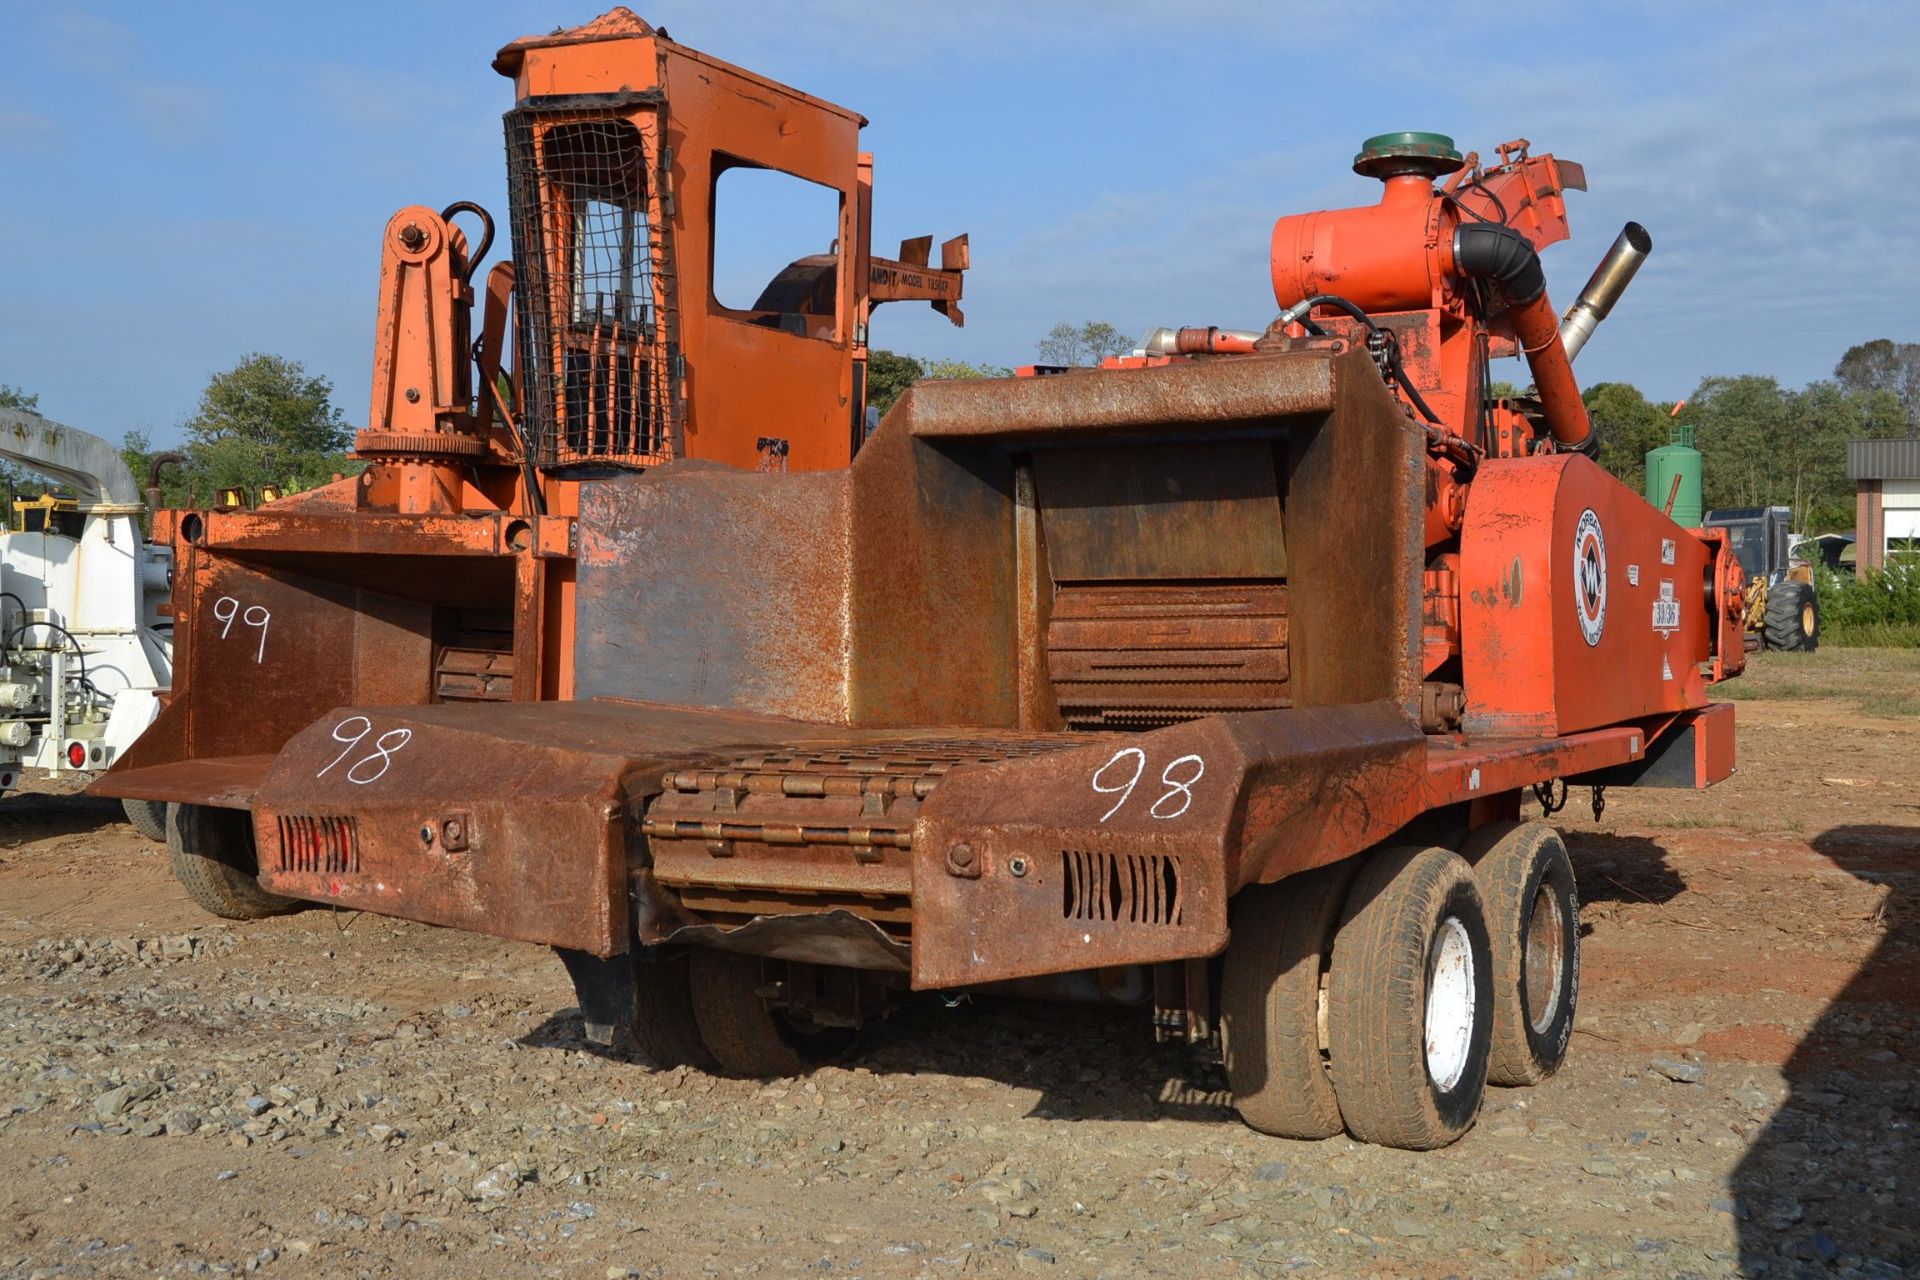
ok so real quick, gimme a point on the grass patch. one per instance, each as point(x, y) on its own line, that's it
point(1883, 682)
point(1878, 635)
point(1892, 706)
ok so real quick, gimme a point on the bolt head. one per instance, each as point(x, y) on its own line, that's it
point(961, 855)
point(413, 237)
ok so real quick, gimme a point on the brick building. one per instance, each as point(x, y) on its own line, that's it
point(1886, 476)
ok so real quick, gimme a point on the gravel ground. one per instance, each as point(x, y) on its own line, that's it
point(333, 1094)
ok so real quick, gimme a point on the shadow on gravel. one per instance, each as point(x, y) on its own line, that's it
point(563, 1030)
point(1612, 868)
point(1087, 1062)
point(1829, 1184)
point(32, 815)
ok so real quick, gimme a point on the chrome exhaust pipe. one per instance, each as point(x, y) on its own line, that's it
point(1610, 280)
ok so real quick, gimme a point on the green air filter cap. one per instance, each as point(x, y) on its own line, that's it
point(1388, 155)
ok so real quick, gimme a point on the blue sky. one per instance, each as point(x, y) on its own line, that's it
point(187, 183)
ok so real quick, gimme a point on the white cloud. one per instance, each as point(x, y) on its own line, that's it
point(23, 130)
point(1779, 176)
point(932, 36)
point(85, 42)
point(174, 112)
point(364, 99)
point(1771, 149)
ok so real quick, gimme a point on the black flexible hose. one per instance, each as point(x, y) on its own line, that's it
point(1406, 384)
point(1502, 256)
point(1507, 260)
point(1453, 198)
point(78, 652)
point(486, 233)
point(1299, 311)
point(1335, 301)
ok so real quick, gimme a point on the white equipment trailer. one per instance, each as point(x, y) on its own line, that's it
point(85, 649)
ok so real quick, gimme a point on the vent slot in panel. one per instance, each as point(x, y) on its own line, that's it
point(320, 845)
point(1120, 888)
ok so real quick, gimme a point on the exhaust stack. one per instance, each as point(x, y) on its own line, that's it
point(1610, 280)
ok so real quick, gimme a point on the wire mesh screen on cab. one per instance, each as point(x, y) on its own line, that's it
point(589, 261)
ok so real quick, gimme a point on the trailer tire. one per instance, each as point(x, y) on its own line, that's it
point(1410, 1000)
point(214, 860)
point(148, 817)
point(665, 1031)
point(744, 1034)
point(1533, 916)
point(1270, 1003)
point(1792, 621)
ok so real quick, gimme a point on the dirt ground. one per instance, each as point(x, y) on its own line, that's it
point(337, 1094)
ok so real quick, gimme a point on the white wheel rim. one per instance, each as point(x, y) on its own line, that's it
point(1546, 957)
point(1449, 1003)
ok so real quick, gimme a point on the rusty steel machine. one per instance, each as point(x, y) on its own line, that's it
point(1212, 681)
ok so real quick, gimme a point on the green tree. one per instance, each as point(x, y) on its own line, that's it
point(889, 374)
point(946, 370)
point(266, 421)
point(1090, 343)
point(1884, 365)
point(136, 450)
point(1629, 425)
point(1764, 445)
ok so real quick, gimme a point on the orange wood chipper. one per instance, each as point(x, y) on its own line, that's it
point(1210, 681)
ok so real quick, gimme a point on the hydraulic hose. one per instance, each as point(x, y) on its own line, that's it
point(78, 651)
point(1298, 314)
point(1506, 259)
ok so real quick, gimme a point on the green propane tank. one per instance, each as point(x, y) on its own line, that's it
point(1679, 458)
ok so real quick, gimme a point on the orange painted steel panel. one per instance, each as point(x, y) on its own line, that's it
point(1713, 744)
point(1580, 605)
point(1464, 771)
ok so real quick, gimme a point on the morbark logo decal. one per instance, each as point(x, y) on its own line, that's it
point(1590, 576)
